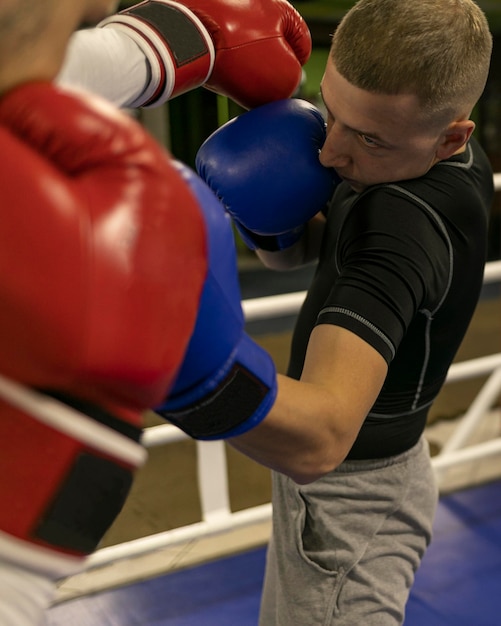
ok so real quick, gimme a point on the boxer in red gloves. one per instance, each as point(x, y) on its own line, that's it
point(249, 50)
point(106, 269)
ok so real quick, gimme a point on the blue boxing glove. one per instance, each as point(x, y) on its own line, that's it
point(264, 167)
point(227, 383)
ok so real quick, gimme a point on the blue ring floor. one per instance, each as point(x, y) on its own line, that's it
point(458, 584)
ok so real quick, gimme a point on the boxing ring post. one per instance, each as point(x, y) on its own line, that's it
point(211, 456)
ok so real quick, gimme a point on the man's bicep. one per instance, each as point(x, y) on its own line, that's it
point(349, 367)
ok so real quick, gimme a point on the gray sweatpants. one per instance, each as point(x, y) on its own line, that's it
point(344, 549)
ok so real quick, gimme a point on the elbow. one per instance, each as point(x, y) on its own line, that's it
point(305, 478)
point(321, 459)
point(311, 471)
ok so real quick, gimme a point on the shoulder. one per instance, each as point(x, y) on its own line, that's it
point(404, 208)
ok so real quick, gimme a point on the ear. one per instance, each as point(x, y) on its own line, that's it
point(454, 138)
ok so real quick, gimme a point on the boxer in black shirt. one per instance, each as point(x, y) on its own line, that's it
point(401, 251)
point(425, 280)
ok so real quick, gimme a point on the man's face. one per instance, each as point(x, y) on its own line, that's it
point(374, 138)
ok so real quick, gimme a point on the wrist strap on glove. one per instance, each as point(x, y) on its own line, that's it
point(66, 475)
point(177, 45)
point(269, 243)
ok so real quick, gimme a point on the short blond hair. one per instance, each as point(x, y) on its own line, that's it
point(438, 50)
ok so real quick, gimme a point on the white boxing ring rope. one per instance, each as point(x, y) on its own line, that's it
point(217, 516)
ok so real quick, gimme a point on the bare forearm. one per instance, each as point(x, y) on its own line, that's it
point(299, 437)
point(315, 421)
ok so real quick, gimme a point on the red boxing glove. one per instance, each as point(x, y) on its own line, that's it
point(249, 50)
point(116, 240)
point(102, 265)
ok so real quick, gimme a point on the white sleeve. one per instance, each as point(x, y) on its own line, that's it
point(107, 62)
point(24, 595)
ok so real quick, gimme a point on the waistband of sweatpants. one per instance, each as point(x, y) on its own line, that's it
point(357, 465)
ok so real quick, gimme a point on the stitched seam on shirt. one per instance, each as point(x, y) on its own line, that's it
point(442, 227)
point(404, 414)
point(362, 320)
point(426, 359)
point(430, 314)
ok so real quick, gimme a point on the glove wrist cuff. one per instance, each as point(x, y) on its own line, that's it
point(178, 47)
point(231, 403)
point(270, 243)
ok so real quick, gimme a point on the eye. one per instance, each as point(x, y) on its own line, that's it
point(369, 142)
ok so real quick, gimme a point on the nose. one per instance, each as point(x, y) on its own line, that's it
point(335, 151)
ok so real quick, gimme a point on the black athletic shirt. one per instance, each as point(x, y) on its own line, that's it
point(401, 266)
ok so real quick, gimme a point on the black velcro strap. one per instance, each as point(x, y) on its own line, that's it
point(233, 402)
point(183, 37)
point(88, 501)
